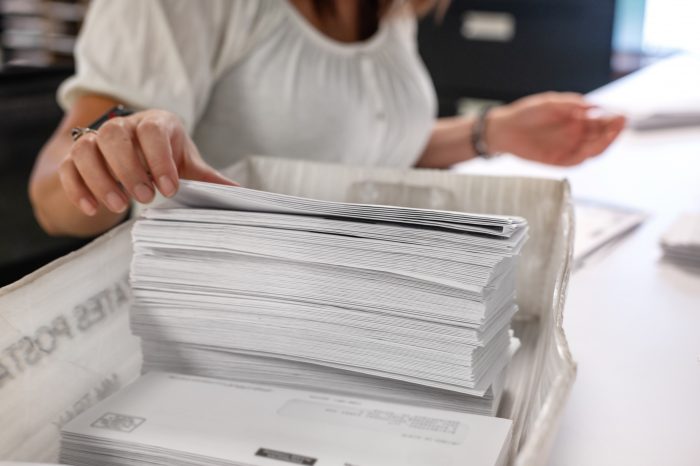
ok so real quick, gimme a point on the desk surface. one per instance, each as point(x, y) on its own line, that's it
point(632, 320)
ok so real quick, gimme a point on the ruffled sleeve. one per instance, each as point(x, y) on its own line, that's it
point(160, 53)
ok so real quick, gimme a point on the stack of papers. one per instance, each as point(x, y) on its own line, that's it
point(397, 294)
point(668, 119)
point(167, 419)
point(681, 242)
point(599, 224)
point(669, 88)
point(305, 376)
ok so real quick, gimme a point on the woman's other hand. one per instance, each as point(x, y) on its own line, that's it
point(553, 128)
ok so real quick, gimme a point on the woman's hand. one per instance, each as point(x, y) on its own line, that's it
point(553, 128)
point(131, 157)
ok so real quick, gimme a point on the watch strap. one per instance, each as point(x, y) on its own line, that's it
point(116, 111)
point(478, 134)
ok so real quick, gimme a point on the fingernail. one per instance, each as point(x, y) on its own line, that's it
point(143, 193)
point(167, 187)
point(87, 207)
point(115, 202)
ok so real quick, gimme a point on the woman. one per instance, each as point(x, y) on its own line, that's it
point(331, 80)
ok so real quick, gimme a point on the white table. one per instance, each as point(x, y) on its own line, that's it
point(632, 320)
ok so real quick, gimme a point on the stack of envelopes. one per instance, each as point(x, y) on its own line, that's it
point(171, 419)
point(681, 242)
point(239, 283)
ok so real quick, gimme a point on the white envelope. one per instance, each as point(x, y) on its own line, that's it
point(175, 418)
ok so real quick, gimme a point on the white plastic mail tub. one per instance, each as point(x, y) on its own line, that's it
point(64, 335)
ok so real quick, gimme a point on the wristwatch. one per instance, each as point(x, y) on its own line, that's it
point(478, 135)
point(116, 111)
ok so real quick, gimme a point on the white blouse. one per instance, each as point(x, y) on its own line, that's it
point(254, 77)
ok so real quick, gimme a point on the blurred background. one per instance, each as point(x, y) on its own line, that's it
point(482, 51)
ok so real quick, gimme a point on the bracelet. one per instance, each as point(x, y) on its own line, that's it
point(478, 136)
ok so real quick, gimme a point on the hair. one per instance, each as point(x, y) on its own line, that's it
point(371, 12)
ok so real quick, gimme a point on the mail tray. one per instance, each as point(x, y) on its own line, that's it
point(65, 342)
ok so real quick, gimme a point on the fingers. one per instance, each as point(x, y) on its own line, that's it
point(601, 132)
point(170, 154)
point(604, 132)
point(195, 168)
point(90, 164)
point(562, 128)
point(612, 129)
point(210, 175)
point(570, 98)
point(115, 142)
point(76, 190)
point(154, 137)
point(564, 100)
point(131, 157)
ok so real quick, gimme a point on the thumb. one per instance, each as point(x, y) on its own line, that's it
point(193, 167)
point(200, 171)
point(213, 176)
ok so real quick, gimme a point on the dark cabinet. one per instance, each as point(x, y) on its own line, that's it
point(28, 116)
point(505, 49)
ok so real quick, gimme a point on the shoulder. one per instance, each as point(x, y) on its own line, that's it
point(244, 24)
point(403, 25)
point(220, 31)
point(187, 17)
point(405, 22)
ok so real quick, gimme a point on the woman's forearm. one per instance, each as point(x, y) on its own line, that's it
point(451, 140)
point(450, 143)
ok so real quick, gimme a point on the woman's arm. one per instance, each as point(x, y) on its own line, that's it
point(552, 128)
point(449, 144)
point(83, 188)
